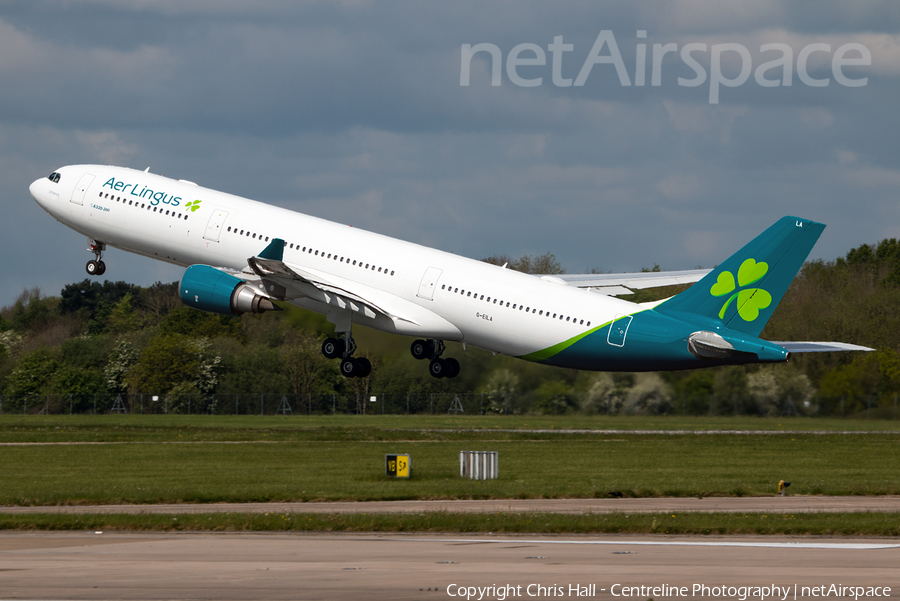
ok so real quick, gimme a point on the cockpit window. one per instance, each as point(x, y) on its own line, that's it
point(54, 177)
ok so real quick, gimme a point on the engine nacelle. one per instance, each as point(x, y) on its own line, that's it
point(207, 289)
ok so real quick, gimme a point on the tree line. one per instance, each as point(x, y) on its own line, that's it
point(116, 337)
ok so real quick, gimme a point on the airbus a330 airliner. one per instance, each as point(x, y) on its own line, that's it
point(241, 255)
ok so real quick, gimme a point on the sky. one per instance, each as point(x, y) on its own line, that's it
point(379, 115)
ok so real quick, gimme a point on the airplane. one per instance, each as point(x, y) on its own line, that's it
point(243, 256)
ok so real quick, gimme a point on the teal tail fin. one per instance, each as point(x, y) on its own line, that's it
point(741, 294)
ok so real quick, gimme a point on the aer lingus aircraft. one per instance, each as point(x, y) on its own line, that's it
point(241, 255)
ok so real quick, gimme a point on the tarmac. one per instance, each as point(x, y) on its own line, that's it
point(228, 566)
point(275, 566)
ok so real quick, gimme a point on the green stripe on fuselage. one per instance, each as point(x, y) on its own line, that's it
point(550, 351)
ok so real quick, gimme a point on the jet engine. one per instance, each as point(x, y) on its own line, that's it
point(208, 289)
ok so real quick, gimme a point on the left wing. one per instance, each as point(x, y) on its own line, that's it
point(284, 282)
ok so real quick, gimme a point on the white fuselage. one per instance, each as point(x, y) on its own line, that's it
point(440, 295)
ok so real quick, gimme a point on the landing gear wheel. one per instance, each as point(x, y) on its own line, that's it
point(420, 349)
point(350, 367)
point(365, 367)
point(93, 268)
point(102, 267)
point(332, 348)
point(438, 368)
point(452, 367)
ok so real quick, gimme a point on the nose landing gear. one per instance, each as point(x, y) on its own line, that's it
point(96, 266)
point(433, 349)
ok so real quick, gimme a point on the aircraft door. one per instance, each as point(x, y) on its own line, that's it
point(214, 227)
point(81, 188)
point(429, 281)
point(618, 329)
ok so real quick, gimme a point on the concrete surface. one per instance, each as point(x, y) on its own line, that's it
point(336, 567)
point(788, 504)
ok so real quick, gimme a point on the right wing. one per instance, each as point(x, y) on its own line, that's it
point(614, 284)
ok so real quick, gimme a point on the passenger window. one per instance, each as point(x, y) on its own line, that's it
point(392, 272)
point(267, 238)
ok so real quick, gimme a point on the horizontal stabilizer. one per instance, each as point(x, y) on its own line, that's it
point(820, 347)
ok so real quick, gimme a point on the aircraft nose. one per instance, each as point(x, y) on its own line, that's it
point(38, 190)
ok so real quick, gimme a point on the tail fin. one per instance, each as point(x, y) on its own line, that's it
point(743, 291)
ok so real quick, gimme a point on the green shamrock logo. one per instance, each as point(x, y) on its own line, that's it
point(193, 206)
point(750, 300)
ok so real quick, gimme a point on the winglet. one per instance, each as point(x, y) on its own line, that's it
point(274, 251)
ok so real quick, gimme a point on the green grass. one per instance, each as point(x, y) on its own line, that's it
point(867, 524)
point(158, 428)
point(342, 458)
point(635, 464)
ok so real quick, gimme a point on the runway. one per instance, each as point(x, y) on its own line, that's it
point(787, 504)
point(336, 567)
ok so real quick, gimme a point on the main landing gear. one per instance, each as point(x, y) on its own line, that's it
point(96, 266)
point(433, 349)
point(344, 347)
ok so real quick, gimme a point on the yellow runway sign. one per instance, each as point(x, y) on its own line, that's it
point(396, 466)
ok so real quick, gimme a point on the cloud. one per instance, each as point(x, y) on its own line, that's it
point(353, 112)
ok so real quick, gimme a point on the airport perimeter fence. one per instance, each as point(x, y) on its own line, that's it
point(871, 406)
point(245, 404)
